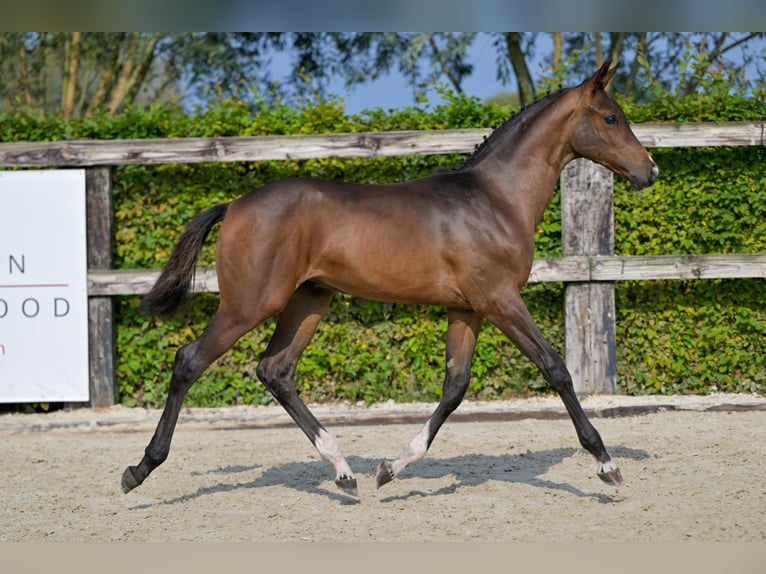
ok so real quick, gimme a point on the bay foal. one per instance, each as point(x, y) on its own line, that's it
point(462, 239)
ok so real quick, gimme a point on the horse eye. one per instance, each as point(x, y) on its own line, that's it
point(611, 119)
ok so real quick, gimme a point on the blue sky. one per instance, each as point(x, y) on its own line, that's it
point(393, 91)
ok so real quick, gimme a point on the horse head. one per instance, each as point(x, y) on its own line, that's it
point(602, 134)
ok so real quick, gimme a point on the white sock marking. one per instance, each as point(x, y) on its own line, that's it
point(414, 451)
point(329, 450)
point(604, 467)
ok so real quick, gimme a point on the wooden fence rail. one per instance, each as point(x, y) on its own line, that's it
point(572, 269)
point(588, 266)
point(91, 153)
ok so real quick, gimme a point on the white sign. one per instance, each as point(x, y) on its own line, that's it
point(43, 287)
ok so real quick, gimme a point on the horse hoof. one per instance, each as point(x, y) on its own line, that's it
point(129, 480)
point(384, 475)
point(610, 474)
point(347, 484)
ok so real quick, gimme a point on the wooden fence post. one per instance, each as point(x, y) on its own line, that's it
point(101, 328)
point(587, 196)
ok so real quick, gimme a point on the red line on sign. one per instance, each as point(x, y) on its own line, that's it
point(34, 285)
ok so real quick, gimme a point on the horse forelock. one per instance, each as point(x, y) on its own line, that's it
point(509, 127)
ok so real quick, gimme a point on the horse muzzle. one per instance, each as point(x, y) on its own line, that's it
point(654, 173)
point(638, 182)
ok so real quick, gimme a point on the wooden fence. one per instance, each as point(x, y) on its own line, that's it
point(588, 266)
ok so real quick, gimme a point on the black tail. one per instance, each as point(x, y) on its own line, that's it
point(174, 284)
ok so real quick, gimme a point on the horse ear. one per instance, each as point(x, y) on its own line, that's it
point(601, 78)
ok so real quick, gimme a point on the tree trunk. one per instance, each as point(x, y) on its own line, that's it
point(599, 49)
point(133, 71)
point(616, 44)
point(558, 52)
point(70, 77)
point(446, 70)
point(519, 63)
point(120, 90)
point(24, 86)
point(145, 64)
point(636, 63)
point(107, 76)
point(38, 85)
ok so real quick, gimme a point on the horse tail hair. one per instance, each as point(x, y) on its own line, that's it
point(175, 282)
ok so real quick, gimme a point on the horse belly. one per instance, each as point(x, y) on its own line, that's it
point(390, 276)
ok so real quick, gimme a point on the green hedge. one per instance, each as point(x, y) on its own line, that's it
point(673, 337)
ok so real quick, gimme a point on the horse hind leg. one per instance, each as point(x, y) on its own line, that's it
point(295, 327)
point(515, 321)
point(190, 362)
point(462, 333)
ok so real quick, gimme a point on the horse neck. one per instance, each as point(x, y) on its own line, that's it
point(526, 162)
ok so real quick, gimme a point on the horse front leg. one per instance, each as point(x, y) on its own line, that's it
point(462, 332)
point(514, 320)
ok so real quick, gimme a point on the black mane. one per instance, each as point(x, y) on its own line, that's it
point(516, 119)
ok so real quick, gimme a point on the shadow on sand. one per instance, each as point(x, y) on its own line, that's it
point(468, 471)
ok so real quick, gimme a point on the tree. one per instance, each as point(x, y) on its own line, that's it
point(672, 61)
point(516, 56)
point(713, 48)
point(82, 73)
point(423, 58)
point(76, 73)
point(655, 58)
